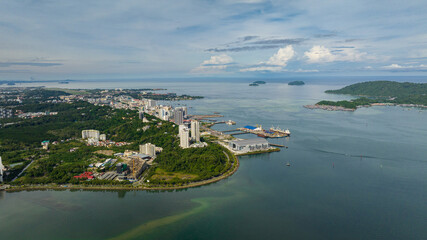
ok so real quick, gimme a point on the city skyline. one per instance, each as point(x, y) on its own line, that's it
point(44, 40)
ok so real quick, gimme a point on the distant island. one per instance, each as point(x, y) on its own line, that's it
point(296, 83)
point(377, 93)
point(257, 83)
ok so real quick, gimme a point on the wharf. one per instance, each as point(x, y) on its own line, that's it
point(278, 145)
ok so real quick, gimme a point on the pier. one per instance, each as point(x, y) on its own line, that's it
point(278, 145)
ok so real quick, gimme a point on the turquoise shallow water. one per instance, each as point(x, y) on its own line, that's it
point(360, 175)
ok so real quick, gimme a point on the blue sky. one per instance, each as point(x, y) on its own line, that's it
point(61, 39)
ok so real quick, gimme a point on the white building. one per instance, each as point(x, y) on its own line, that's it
point(90, 134)
point(148, 148)
point(103, 137)
point(151, 103)
point(195, 130)
point(248, 145)
point(184, 138)
point(1, 170)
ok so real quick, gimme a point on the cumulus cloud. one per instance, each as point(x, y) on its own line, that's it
point(282, 56)
point(404, 68)
point(214, 65)
point(321, 54)
point(262, 69)
point(275, 63)
point(218, 60)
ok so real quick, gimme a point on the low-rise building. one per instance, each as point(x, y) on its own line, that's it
point(247, 145)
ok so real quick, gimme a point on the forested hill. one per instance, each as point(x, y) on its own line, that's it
point(384, 89)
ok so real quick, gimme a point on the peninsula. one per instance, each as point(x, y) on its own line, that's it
point(377, 93)
point(104, 139)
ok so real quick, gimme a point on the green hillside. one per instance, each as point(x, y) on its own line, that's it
point(383, 89)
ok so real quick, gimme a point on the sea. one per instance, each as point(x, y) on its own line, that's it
point(352, 175)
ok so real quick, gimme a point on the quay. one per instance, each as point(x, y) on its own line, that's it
point(278, 145)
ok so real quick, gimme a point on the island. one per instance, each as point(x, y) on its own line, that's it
point(377, 93)
point(257, 83)
point(296, 83)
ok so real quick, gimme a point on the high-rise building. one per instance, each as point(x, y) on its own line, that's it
point(151, 103)
point(141, 115)
point(195, 130)
point(94, 134)
point(1, 170)
point(148, 148)
point(184, 138)
point(179, 116)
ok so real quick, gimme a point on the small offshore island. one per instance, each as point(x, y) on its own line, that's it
point(296, 83)
point(111, 139)
point(377, 93)
point(257, 83)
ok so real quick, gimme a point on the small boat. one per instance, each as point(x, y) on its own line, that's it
point(288, 164)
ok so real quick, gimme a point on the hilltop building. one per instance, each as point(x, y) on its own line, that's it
point(195, 130)
point(90, 134)
point(148, 149)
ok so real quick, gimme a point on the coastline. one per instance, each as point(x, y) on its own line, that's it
point(225, 175)
point(339, 108)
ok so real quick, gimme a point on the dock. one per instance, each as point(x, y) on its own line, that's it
point(233, 130)
point(278, 145)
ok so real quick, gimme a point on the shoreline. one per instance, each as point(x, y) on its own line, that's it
point(343, 109)
point(227, 174)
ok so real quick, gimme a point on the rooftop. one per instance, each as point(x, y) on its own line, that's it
point(250, 141)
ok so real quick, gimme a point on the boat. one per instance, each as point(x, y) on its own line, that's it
point(288, 164)
point(230, 122)
point(279, 130)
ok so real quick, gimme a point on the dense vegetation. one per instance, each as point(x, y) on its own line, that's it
point(348, 104)
point(20, 143)
point(381, 92)
point(296, 83)
point(204, 162)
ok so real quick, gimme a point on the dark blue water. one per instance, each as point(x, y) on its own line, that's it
point(360, 175)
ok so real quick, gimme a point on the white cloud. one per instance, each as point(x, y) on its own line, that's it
point(275, 63)
point(282, 56)
point(262, 68)
point(218, 59)
point(321, 54)
point(397, 67)
point(215, 64)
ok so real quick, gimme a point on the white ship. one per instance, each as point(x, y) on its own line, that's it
point(279, 130)
point(230, 122)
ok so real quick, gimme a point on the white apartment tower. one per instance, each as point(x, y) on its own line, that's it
point(94, 134)
point(148, 148)
point(184, 138)
point(195, 130)
point(1, 170)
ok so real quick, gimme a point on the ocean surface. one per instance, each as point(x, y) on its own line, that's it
point(352, 175)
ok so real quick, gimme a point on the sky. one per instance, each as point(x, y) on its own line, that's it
point(62, 39)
